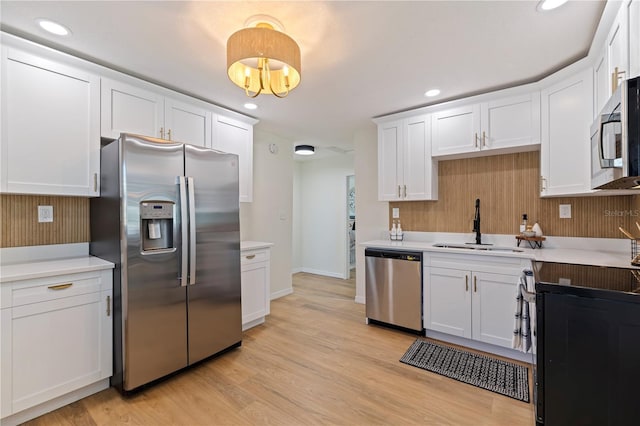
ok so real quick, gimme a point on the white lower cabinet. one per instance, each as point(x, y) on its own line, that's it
point(475, 301)
point(56, 339)
point(256, 292)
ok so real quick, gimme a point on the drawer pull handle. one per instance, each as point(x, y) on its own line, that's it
point(251, 256)
point(466, 283)
point(60, 286)
point(475, 284)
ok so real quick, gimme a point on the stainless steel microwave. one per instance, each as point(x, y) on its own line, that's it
point(615, 140)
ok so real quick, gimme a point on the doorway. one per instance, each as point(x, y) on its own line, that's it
point(351, 227)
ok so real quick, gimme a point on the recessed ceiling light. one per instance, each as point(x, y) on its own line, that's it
point(53, 27)
point(431, 93)
point(249, 105)
point(550, 4)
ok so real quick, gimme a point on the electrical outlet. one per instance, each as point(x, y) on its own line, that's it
point(395, 213)
point(565, 211)
point(45, 213)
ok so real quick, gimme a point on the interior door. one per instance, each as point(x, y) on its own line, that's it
point(153, 300)
point(215, 317)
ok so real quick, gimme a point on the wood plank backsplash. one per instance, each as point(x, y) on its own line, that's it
point(508, 186)
point(20, 225)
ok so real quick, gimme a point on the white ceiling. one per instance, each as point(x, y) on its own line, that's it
point(359, 59)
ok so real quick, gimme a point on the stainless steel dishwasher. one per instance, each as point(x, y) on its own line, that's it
point(393, 280)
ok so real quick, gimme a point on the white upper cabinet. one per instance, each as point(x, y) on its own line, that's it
point(601, 81)
point(633, 38)
point(456, 130)
point(620, 50)
point(503, 125)
point(617, 46)
point(185, 122)
point(405, 169)
point(50, 127)
point(565, 151)
point(132, 109)
point(236, 137)
point(390, 160)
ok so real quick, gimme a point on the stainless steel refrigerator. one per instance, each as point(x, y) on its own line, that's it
point(168, 217)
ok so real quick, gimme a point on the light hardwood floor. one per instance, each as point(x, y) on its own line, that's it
point(313, 362)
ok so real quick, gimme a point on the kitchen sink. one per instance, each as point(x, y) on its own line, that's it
point(485, 247)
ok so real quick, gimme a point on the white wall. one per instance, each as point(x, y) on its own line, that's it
point(323, 215)
point(269, 217)
point(371, 214)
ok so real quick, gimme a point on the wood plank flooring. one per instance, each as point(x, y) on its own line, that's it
point(313, 362)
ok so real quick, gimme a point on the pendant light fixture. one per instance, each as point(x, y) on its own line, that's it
point(262, 59)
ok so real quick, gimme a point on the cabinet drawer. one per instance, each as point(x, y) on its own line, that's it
point(254, 256)
point(52, 288)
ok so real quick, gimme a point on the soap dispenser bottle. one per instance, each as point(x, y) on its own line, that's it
point(399, 233)
point(523, 225)
point(394, 232)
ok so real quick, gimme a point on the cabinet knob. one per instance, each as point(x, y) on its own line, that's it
point(405, 191)
point(161, 132)
point(475, 140)
point(484, 139)
point(466, 283)
point(475, 284)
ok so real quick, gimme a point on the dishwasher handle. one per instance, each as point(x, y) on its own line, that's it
point(410, 256)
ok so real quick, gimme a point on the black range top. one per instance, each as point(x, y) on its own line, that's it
point(590, 281)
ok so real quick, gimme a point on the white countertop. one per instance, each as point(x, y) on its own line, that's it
point(607, 257)
point(46, 268)
point(254, 245)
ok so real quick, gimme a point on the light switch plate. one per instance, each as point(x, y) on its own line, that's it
point(45, 213)
point(565, 211)
point(395, 213)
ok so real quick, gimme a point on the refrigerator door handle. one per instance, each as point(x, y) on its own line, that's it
point(192, 231)
point(184, 231)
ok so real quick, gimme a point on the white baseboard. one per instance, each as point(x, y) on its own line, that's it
point(296, 270)
point(480, 346)
point(281, 293)
point(324, 273)
point(54, 404)
point(249, 324)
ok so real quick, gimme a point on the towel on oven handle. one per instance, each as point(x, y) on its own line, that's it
point(524, 321)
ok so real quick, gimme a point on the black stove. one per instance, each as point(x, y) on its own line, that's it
point(588, 280)
point(588, 345)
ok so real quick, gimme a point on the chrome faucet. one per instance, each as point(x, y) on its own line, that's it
point(476, 223)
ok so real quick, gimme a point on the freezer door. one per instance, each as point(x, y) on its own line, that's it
point(215, 319)
point(153, 300)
